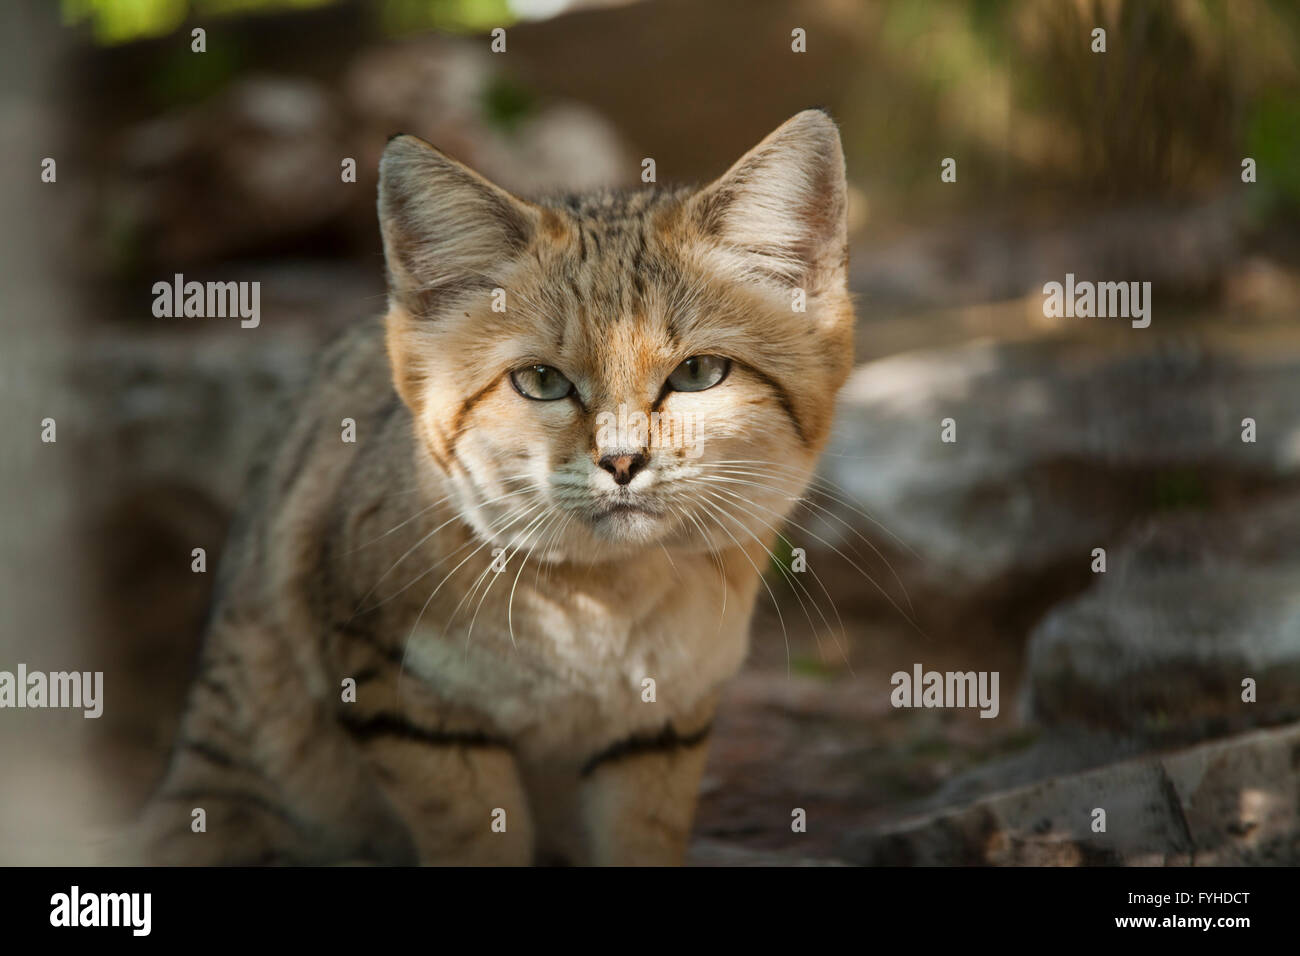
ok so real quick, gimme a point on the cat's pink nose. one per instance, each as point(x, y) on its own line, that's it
point(623, 467)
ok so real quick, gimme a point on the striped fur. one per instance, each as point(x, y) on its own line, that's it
point(521, 691)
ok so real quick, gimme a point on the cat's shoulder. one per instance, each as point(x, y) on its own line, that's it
point(355, 357)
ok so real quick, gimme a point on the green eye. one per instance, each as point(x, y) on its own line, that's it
point(540, 382)
point(699, 372)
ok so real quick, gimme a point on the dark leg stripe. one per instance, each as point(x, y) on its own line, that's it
point(394, 725)
point(666, 740)
point(218, 757)
point(199, 796)
point(367, 674)
point(209, 752)
point(357, 631)
point(217, 688)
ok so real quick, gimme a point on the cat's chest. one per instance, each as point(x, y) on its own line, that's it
point(564, 658)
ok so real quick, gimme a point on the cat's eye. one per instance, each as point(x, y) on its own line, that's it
point(699, 372)
point(540, 382)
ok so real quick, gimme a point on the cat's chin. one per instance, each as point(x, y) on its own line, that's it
point(627, 524)
point(618, 521)
point(611, 534)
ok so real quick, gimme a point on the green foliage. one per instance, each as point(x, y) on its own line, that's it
point(123, 21)
point(1014, 90)
point(779, 566)
point(120, 21)
point(506, 103)
point(1273, 140)
point(812, 667)
point(451, 16)
point(1176, 490)
point(181, 77)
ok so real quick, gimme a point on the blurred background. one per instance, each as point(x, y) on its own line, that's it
point(1120, 690)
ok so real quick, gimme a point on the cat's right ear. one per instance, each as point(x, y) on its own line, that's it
point(446, 229)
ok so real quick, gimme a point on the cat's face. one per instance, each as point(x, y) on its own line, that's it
point(615, 372)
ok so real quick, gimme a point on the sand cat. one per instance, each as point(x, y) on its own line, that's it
point(502, 556)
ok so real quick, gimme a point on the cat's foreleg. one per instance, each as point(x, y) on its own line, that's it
point(637, 801)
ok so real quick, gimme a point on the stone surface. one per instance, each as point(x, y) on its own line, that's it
point(1179, 250)
point(256, 164)
point(715, 853)
point(437, 90)
point(1232, 802)
point(259, 165)
point(1060, 446)
point(160, 433)
point(1158, 647)
point(833, 747)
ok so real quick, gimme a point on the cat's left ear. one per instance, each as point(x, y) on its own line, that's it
point(779, 214)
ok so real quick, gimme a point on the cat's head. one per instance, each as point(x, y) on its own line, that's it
point(607, 372)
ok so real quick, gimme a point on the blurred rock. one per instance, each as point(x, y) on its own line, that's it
point(1182, 250)
point(716, 853)
point(181, 413)
point(258, 166)
point(1261, 284)
point(833, 747)
point(163, 431)
point(1059, 446)
point(1158, 647)
point(564, 148)
point(447, 93)
point(1234, 802)
point(432, 88)
point(253, 165)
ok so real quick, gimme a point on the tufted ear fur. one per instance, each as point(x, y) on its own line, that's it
point(446, 229)
point(779, 214)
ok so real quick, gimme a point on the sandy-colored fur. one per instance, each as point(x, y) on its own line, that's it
point(520, 690)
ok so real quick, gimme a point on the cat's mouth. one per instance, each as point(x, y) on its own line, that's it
point(617, 509)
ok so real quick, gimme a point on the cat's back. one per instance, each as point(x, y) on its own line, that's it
point(341, 439)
